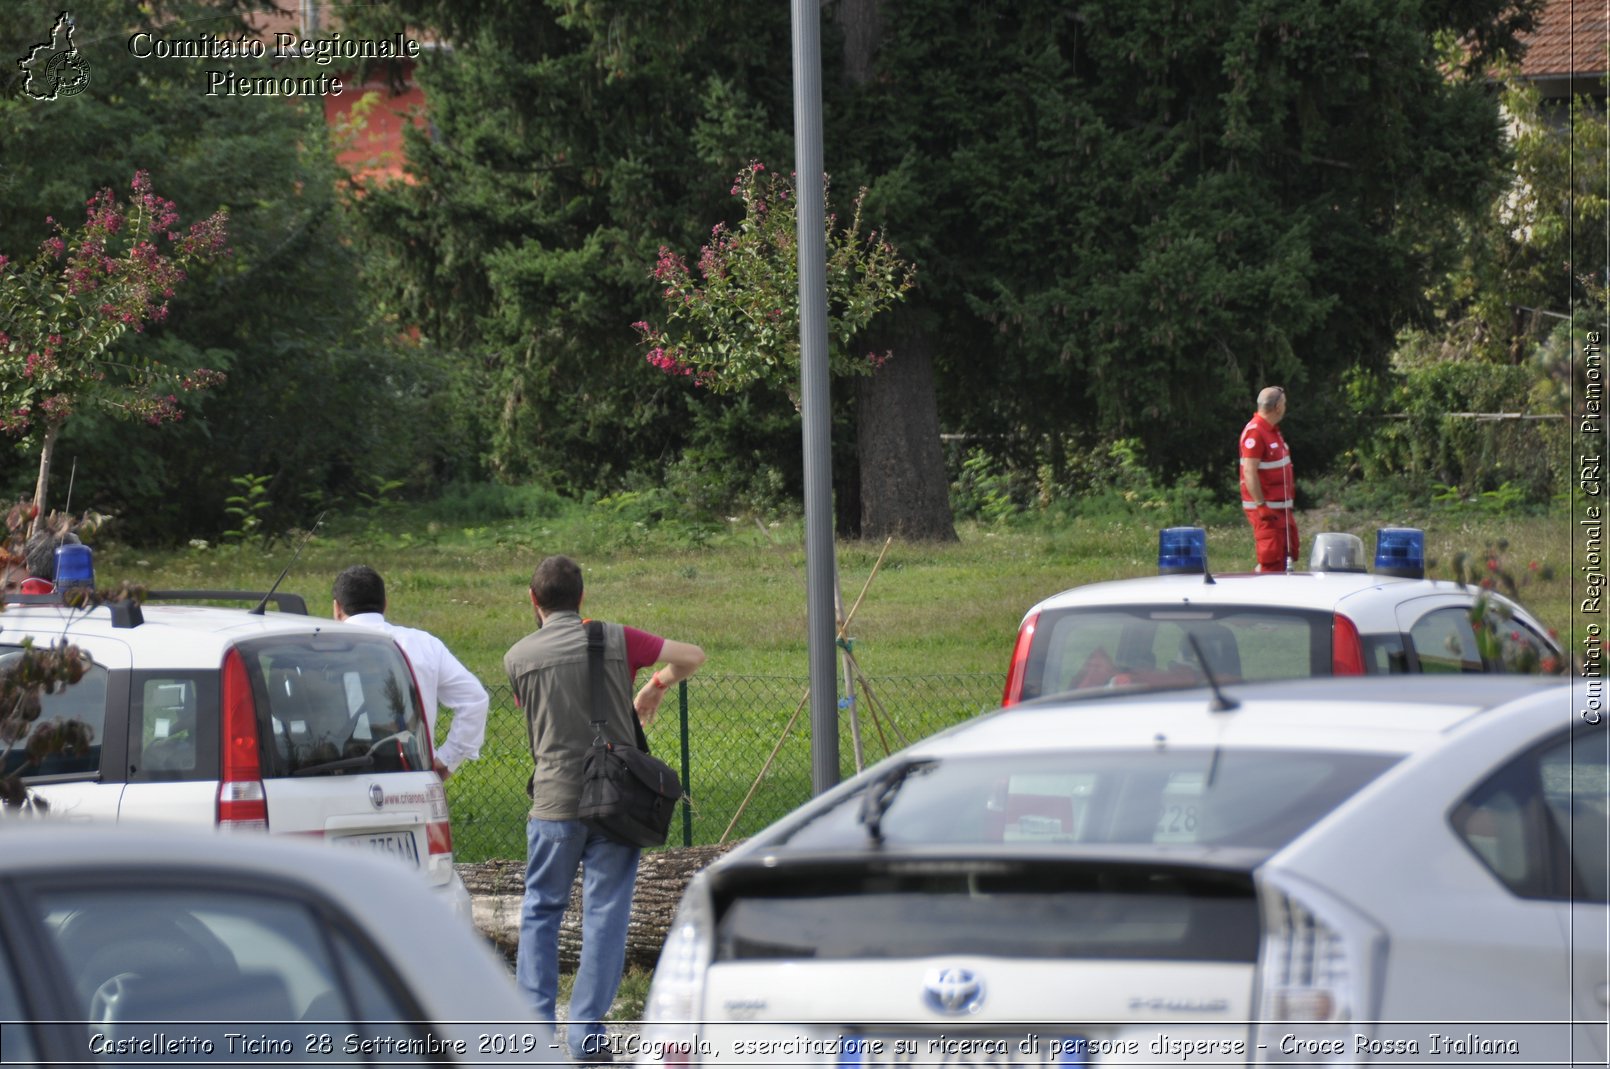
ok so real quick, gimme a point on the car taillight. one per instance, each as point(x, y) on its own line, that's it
point(1315, 969)
point(1020, 662)
point(438, 828)
point(242, 802)
point(1346, 652)
point(673, 1010)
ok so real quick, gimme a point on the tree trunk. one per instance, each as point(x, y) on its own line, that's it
point(498, 886)
point(846, 479)
point(905, 491)
point(861, 22)
point(47, 450)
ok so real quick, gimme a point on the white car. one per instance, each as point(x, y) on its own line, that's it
point(1333, 619)
point(1296, 872)
point(136, 945)
point(242, 721)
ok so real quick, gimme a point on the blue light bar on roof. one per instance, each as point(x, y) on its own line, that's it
point(1181, 551)
point(75, 567)
point(1401, 551)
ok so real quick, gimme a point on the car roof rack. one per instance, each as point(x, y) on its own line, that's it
point(282, 601)
point(126, 612)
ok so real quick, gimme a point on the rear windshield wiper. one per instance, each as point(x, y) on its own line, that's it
point(880, 795)
point(344, 764)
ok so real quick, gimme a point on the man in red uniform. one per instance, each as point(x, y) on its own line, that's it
point(1267, 483)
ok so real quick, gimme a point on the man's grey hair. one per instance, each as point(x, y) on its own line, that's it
point(1269, 398)
point(41, 553)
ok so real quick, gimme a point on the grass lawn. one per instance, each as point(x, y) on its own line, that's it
point(936, 624)
point(931, 609)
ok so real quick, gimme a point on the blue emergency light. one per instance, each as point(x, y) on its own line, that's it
point(1401, 551)
point(75, 567)
point(1182, 551)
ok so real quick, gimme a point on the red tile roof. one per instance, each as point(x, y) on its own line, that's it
point(1571, 38)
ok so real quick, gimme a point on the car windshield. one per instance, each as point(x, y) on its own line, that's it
point(1237, 798)
point(338, 704)
point(1076, 649)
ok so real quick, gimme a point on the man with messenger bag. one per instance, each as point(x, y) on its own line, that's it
point(572, 729)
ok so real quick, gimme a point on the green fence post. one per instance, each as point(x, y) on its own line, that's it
point(687, 810)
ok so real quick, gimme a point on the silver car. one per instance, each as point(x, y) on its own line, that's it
point(171, 946)
point(1297, 872)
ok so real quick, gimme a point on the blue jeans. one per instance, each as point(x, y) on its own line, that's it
point(554, 849)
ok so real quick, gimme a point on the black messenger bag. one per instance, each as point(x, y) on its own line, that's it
point(627, 793)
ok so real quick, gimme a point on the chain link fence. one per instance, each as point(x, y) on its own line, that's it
point(742, 744)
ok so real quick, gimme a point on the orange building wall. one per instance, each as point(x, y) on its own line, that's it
point(371, 145)
point(372, 148)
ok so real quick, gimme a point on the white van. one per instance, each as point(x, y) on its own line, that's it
point(243, 720)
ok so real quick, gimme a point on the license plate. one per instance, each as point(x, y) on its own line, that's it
point(1023, 1050)
point(397, 844)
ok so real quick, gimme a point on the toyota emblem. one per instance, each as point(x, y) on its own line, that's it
point(953, 992)
point(377, 796)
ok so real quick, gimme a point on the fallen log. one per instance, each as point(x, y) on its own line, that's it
point(497, 887)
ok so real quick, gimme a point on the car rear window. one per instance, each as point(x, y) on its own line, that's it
point(1089, 911)
point(336, 704)
point(1076, 649)
point(1257, 799)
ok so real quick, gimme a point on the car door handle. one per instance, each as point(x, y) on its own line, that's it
point(1603, 993)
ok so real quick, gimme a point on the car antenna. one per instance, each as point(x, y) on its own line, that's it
point(1220, 703)
point(72, 475)
point(262, 606)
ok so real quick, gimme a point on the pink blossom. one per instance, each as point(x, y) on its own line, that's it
point(669, 266)
point(201, 379)
point(710, 265)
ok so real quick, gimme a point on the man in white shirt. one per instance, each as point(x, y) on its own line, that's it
point(360, 598)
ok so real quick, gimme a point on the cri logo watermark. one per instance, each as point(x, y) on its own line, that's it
point(54, 69)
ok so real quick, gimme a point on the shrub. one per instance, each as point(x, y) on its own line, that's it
point(1427, 440)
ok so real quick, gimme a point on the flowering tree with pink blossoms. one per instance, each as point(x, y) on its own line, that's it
point(62, 312)
point(735, 323)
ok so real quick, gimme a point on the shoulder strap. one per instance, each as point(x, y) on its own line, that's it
point(598, 696)
point(595, 673)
